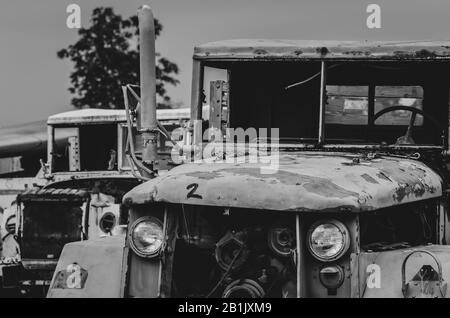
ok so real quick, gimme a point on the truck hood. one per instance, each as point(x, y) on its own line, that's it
point(303, 182)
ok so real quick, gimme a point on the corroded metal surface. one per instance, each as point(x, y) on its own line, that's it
point(304, 182)
point(390, 263)
point(53, 195)
point(296, 49)
point(101, 259)
point(101, 116)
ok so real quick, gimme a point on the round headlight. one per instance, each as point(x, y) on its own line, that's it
point(146, 238)
point(329, 240)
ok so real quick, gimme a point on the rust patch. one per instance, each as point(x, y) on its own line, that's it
point(402, 54)
point(355, 53)
point(128, 201)
point(418, 54)
point(260, 52)
point(425, 54)
point(343, 208)
point(405, 190)
point(322, 50)
point(416, 189)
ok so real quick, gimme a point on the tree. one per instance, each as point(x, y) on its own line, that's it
point(106, 56)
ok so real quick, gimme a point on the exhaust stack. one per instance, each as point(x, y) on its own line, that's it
point(147, 115)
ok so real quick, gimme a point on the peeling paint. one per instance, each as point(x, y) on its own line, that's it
point(298, 49)
point(416, 189)
point(355, 53)
point(322, 50)
point(425, 54)
point(260, 52)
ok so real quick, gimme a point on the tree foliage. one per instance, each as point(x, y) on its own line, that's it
point(106, 56)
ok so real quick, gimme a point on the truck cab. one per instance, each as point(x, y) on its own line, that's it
point(360, 182)
point(322, 172)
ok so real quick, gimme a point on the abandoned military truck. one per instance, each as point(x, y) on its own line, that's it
point(76, 196)
point(353, 204)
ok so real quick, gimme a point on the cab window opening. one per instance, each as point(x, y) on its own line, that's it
point(387, 228)
point(355, 92)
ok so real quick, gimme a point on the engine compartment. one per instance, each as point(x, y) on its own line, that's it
point(234, 253)
point(401, 226)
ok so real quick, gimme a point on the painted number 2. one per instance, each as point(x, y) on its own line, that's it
point(191, 194)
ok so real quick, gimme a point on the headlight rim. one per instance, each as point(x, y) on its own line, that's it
point(344, 231)
point(102, 218)
point(130, 236)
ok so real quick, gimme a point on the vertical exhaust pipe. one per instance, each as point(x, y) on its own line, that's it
point(147, 117)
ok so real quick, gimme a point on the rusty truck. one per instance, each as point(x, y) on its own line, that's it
point(356, 205)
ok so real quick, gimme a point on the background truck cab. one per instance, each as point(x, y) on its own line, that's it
point(78, 193)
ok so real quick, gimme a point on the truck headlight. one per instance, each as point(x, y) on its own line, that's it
point(328, 240)
point(147, 236)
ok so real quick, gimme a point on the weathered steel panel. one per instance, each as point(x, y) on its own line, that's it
point(102, 116)
point(101, 264)
point(338, 50)
point(390, 263)
point(304, 182)
point(53, 195)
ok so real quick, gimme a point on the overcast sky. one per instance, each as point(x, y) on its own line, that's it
point(33, 82)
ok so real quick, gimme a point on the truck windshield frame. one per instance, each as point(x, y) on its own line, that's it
point(329, 73)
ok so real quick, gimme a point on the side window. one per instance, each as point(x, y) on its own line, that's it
point(65, 139)
point(123, 163)
point(347, 105)
point(389, 96)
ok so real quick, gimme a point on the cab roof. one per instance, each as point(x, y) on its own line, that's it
point(323, 50)
point(105, 116)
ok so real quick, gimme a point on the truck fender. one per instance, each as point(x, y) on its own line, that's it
point(89, 269)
